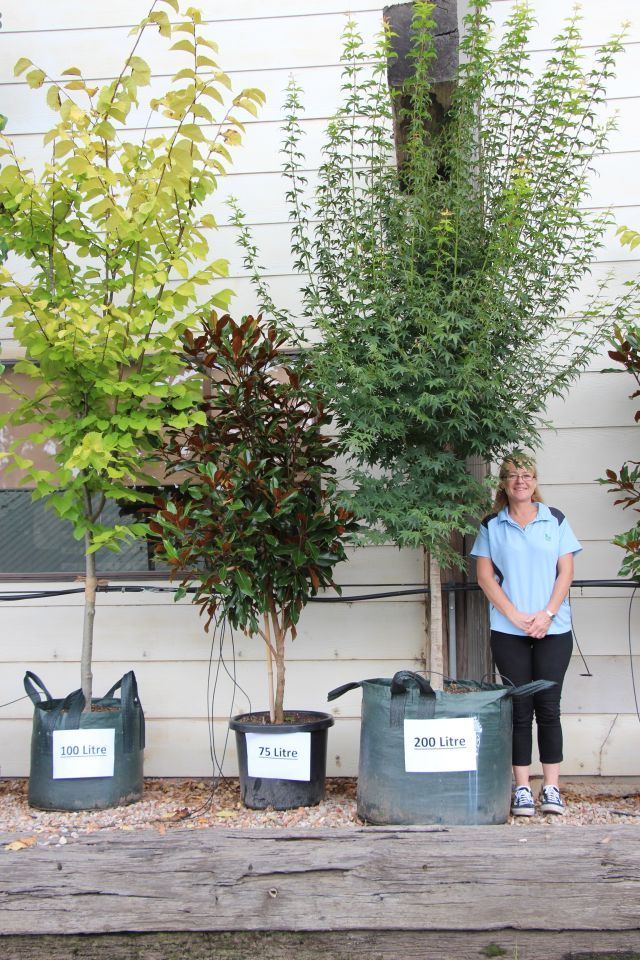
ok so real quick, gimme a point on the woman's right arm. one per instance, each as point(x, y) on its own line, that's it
point(497, 597)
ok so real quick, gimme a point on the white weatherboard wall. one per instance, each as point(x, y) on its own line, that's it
point(261, 43)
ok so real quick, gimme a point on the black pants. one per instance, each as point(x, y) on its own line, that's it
point(520, 660)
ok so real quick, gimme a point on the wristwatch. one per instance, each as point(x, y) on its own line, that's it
point(551, 616)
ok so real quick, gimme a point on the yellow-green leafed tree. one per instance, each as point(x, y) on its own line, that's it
point(116, 233)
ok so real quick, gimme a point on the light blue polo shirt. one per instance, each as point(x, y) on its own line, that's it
point(525, 562)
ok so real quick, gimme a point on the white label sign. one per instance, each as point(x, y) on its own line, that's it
point(434, 746)
point(279, 756)
point(83, 753)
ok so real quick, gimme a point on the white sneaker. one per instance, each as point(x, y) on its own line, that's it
point(550, 800)
point(522, 804)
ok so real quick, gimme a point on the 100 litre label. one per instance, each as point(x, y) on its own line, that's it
point(86, 750)
point(79, 754)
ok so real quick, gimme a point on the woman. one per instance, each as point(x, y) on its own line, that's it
point(524, 554)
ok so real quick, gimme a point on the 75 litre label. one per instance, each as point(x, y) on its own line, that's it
point(433, 746)
point(83, 753)
point(279, 756)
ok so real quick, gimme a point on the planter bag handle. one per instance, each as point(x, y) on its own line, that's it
point(129, 705)
point(401, 685)
point(398, 685)
point(65, 714)
point(338, 691)
point(34, 686)
point(405, 678)
point(529, 688)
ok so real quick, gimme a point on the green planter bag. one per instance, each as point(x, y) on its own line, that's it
point(435, 756)
point(86, 761)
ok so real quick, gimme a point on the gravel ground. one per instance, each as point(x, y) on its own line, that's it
point(194, 804)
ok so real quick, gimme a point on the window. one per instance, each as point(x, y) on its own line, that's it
point(35, 541)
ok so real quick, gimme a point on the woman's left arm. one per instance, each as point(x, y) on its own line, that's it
point(542, 621)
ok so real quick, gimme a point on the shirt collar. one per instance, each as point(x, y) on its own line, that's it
point(543, 514)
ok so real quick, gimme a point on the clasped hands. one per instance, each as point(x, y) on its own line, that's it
point(535, 625)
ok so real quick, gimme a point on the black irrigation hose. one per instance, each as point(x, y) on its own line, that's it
point(381, 595)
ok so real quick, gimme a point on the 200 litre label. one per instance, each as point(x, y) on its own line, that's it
point(432, 746)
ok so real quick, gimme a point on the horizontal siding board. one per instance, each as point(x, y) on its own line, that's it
point(328, 631)
point(188, 690)
point(602, 624)
point(620, 753)
point(314, 40)
point(589, 509)
point(598, 21)
point(597, 399)
point(627, 134)
point(77, 14)
point(168, 691)
point(580, 455)
point(28, 113)
point(367, 565)
point(599, 560)
point(30, 117)
point(626, 80)
point(609, 690)
point(262, 196)
point(600, 745)
point(614, 274)
point(615, 182)
point(310, 40)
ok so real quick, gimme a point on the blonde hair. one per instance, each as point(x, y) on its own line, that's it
point(519, 461)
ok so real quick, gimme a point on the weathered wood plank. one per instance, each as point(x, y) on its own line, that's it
point(476, 879)
point(349, 945)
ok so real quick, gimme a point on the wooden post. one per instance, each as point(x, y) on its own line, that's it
point(436, 653)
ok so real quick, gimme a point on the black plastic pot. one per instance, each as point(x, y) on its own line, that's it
point(260, 792)
point(122, 714)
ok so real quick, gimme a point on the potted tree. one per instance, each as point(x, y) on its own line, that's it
point(257, 526)
point(442, 288)
point(625, 482)
point(114, 234)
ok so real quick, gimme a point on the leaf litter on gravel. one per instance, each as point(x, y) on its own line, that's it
point(197, 803)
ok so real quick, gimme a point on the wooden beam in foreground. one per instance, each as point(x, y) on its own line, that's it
point(377, 892)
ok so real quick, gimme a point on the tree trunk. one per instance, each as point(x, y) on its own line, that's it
point(436, 651)
point(90, 588)
point(279, 639)
point(267, 639)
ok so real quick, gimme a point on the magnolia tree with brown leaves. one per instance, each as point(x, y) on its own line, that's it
point(114, 236)
point(255, 522)
point(625, 482)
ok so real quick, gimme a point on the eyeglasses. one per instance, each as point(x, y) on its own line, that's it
point(526, 477)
